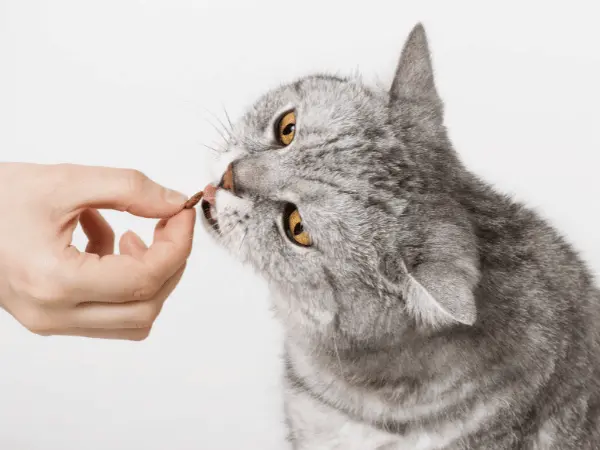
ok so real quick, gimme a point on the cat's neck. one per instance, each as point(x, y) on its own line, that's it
point(373, 384)
point(410, 357)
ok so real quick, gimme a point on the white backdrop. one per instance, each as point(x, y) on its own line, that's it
point(133, 84)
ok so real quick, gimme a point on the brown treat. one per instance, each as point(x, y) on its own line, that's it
point(193, 200)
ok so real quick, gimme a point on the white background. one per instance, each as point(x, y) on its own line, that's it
point(133, 84)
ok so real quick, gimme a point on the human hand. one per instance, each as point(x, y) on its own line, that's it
point(50, 287)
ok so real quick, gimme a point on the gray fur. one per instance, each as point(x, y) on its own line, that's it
point(432, 311)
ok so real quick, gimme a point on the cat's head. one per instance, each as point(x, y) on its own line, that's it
point(341, 196)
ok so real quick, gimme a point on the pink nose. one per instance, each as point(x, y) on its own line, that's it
point(227, 180)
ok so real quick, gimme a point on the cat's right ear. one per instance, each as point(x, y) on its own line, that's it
point(414, 78)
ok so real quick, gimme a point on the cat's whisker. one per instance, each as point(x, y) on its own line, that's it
point(249, 142)
point(228, 118)
point(212, 149)
point(223, 127)
point(218, 130)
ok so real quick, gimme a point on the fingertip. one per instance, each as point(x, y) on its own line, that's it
point(156, 201)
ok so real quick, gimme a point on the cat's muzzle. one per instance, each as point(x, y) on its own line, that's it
point(210, 193)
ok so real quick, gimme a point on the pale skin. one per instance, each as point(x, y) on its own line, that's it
point(51, 287)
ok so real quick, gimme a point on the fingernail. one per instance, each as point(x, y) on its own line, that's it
point(175, 198)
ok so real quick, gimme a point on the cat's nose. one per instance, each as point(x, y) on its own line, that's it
point(227, 180)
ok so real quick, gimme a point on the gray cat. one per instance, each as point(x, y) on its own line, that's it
point(422, 309)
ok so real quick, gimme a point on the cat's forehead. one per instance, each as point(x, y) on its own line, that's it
point(318, 100)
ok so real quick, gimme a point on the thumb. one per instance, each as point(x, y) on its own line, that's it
point(114, 188)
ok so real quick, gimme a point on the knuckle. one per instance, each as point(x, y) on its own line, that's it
point(136, 181)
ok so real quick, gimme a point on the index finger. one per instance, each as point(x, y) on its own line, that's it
point(122, 278)
point(98, 187)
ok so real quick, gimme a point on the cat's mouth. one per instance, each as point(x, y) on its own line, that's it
point(208, 215)
point(208, 206)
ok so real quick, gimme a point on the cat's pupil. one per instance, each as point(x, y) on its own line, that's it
point(298, 229)
point(288, 129)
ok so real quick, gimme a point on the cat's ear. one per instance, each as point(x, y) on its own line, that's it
point(414, 74)
point(435, 294)
point(438, 296)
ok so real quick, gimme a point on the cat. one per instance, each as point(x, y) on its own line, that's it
point(422, 309)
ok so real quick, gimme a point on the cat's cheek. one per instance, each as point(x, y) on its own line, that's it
point(306, 313)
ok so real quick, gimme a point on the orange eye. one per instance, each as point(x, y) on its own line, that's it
point(286, 128)
point(294, 228)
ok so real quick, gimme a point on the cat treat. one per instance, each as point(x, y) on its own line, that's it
point(193, 200)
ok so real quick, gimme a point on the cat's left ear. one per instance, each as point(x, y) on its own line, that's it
point(414, 78)
point(438, 295)
point(435, 294)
